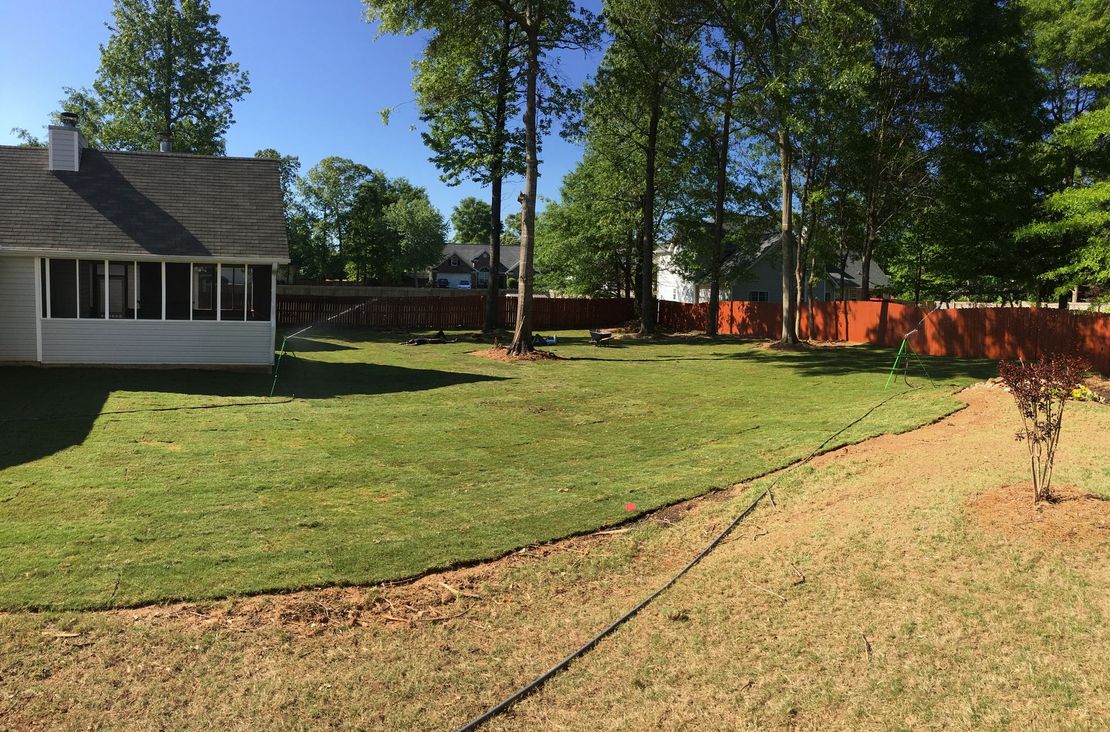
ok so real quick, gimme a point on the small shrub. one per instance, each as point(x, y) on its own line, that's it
point(1041, 390)
point(1083, 393)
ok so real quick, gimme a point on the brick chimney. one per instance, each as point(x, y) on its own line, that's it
point(64, 144)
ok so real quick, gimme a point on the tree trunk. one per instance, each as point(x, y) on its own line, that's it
point(719, 202)
point(522, 336)
point(869, 236)
point(789, 305)
point(493, 290)
point(647, 280)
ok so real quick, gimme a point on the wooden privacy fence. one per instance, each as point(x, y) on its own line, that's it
point(447, 312)
point(995, 333)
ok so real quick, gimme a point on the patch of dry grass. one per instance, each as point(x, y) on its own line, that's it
point(914, 612)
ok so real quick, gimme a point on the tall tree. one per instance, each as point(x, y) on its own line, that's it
point(327, 191)
point(1070, 42)
point(793, 51)
point(467, 86)
point(586, 242)
point(289, 170)
point(636, 87)
point(167, 69)
point(471, 221)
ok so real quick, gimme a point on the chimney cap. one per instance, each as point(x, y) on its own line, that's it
point(68, 119)
point(165, 141)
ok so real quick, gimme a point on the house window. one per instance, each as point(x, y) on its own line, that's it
point(483, 277)
point(758, 296)
point(454, 261)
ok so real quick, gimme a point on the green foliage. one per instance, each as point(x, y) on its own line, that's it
point(327, 192)
point(393, 229)
point(1071, 45)
point(510, 230)
point(165, 67)
point(26, 138)
point(289, 170)
point(471, 221)
point(586, 243)
point(420, 233)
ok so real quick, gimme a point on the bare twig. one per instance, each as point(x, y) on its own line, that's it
point(866, 645)
point(460, 593)
point(764, 589)
point(801, 577)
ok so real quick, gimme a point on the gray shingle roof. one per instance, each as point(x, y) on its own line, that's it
point(163, 204)
point(509, 258)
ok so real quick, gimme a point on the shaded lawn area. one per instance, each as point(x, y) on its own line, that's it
point(391, 460)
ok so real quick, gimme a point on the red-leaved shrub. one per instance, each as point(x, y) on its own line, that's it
point(1041, 390)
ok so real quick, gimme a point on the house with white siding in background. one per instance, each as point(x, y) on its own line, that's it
point(137, 258)
point(757, 277)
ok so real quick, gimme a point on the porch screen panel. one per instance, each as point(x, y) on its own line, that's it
point(63, 288)
point(259, 291)
point(90, 292)
point(233, 286)
point(150, 290)
point(204, 292)
point(121, 290)
point(177, 291)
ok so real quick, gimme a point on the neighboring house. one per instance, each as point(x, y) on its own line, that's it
point(469, 263)
point(138, 257)
point(761, 279)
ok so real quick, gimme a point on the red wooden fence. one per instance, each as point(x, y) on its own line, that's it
point(446, 312)
point(994, 333)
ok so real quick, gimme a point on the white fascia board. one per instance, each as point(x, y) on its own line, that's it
point(132, 257)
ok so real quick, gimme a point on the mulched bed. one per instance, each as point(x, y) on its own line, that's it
point(500, 353)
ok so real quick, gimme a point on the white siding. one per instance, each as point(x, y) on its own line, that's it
point(17, 309)
point(64, 148)
point(175, 342)
point(766, 276)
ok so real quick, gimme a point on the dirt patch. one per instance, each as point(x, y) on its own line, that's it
point(434, 598)
point(1073, 517)
point(500, 353)
point(782, 346)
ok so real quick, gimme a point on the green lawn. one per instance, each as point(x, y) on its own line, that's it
point(392, 460)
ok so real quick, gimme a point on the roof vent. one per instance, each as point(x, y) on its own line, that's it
point(64, 143)
point(165, 141)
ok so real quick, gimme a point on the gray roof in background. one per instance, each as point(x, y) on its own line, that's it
point(138, 203)
point(853, 274)
point(510, 256)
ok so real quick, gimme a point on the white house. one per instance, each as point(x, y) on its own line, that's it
point(760, 278)
point(137, 257)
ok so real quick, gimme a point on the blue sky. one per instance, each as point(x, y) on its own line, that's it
point(318, 73)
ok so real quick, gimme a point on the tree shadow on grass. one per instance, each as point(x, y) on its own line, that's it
point(46, 410)
point(872, 359)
